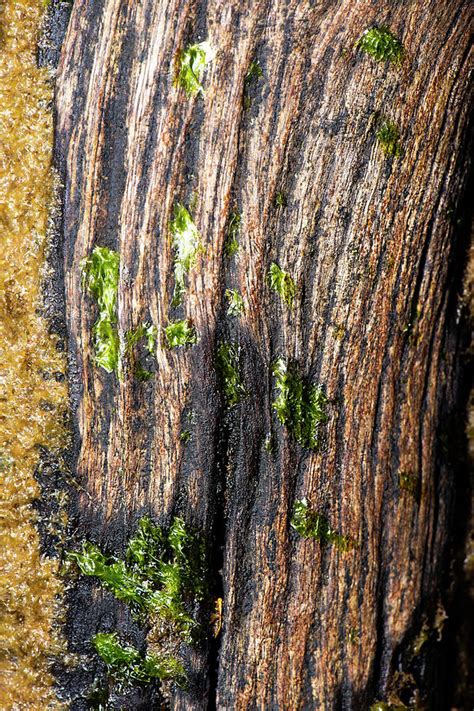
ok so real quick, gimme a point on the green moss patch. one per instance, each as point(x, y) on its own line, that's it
point(235, 301)
point(186, 244)
point(191, 64)
point(229, 375)
point(231, 246)
point(162, 578)
point(253, 74)
point(100, 276)
point(388, 137)
point(300, 406)
point(128, 667)
point(147, 334)
point(310, 524)
point(280, 200)
point(282, 283)
point(380, 44)
point(180, 333)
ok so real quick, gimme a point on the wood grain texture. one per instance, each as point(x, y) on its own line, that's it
point(370, 241)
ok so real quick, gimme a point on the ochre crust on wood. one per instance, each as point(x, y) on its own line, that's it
point(369, 241)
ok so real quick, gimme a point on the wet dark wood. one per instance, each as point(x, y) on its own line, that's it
point(371, 243)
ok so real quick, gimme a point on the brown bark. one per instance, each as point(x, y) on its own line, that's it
point(370, 241)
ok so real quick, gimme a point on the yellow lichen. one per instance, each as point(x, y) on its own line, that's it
point(32, 399)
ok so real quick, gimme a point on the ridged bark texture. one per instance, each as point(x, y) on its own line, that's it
point(370, 242)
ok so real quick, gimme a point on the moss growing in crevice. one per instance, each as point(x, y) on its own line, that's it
point(127, 666)
point(388, 137)
point(148, 334)
point(229, 375)
point(180, 333)
point(380, 44)
point(300, 406)
point(231, 246)
point(235, 302)
point(100, 276)
point(280, 200)
point(282, 283)
point(253, 74)
point(187, 245)
point(191, 64)
point(310, 524)
point(145, 331)
point(162, 578)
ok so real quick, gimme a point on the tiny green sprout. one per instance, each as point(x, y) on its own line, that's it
point(280, 200)
point(228, 370)
point(254, 72)
point(388, 137)
point(149, 333)
point(309, 524)
point(192, 61)
point(409, 483)
point(380, 44)
point(180, 333)
point(187, 245)
point(300, 406)
point(353, 635)
point(282, 283)
point(141, 373)
point(127, 666)
point(185, 436)
point(145, 331)
point(100, 273)
point(236, 302)
point(232, 244)
point(269, 444)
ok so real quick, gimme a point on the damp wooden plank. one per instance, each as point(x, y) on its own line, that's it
point(371, 243)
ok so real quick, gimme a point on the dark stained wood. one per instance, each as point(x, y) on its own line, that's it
point(370, 241)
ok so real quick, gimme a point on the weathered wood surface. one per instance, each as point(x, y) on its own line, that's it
point(370, 241)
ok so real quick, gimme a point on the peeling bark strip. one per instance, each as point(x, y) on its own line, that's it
point(368, 239)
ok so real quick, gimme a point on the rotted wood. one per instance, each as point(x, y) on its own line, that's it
point(370, 242)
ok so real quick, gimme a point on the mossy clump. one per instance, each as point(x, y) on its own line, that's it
point(282, 283)
point(231, 246)
point(186, 245)
point(253, 72)
point(100, 276)
point(310, 524)
point(388, 136)
point(145, 331)
point(180, 333)
point(127, 666)
point(235, 301)
point(191, 64)
point(280, 200)
point(380, 44)
point(300, 406)
point(185, 436)
point(228, 370)
point(269, 443)
point(161, 571)
point(161, 578)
